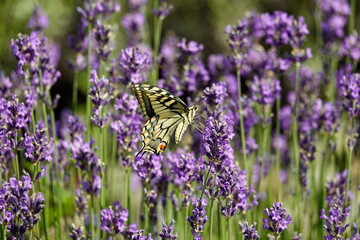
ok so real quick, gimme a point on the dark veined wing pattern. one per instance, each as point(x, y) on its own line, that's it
point(156, 101)
point(166, 114)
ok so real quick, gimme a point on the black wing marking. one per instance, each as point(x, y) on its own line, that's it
point(156, 101)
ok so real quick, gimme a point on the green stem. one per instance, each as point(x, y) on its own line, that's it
point(333, 69)
point(128, 190)
point(278, 167)
point(227, 229)
point(103, 181)
point(186, 222)
point(92, 227)
point(146, 215)
point(295, 138)
point(88, 102)
point(243, 140)
point(211, 218)
point(157, 35)
point(16, 166)
point(351, 153)
point(43, 213)
point(75, 91)
point(112, 164)
point(206, 179)
point(352, 16)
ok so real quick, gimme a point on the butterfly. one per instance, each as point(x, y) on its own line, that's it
point(166, 114)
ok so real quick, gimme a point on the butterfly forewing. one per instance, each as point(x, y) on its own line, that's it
point(156, 101)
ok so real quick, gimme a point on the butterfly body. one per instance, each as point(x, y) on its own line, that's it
point(166, 114)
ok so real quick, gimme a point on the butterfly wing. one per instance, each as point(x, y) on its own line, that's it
point(156, 133)
point(156, 101)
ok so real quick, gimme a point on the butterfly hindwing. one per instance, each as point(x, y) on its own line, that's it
point(156, 133)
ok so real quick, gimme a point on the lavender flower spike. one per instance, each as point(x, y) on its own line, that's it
point(335, 223)
point(198, 218)
point(167, 231)
point(277, 219)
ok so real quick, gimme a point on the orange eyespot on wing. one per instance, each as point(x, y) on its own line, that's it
point(162, 146)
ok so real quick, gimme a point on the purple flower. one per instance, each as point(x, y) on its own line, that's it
point(191, 48)
point(148, 167)
point(216, 94)
point(113, 221)
point(99, 96)
point(198, 218)
point(265, 90)
point(86, 159)
point(26, 49)
point(136, 5)
point(134, 65)
point(350, 91)
point(335, 223)
point(167, 231)
point(182, 167)
point(334, 15)
point(21, 211)
point(351, 47)
point(336, 189)
point(133, 23)
point(216, 141)
point(102, 37)
point(76, 233)
point(18, 115)
point(196, 76)
point(163, 9)
point(277, 219)
point(249, 231)
point(37, 147)
point(91, 9)
point(39, 19)
point(219, 65)
point(129, 123)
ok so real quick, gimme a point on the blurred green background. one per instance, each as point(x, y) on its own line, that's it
point(200, 20)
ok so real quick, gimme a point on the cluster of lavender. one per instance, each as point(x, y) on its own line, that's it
point(284, 120)
point(20, 206)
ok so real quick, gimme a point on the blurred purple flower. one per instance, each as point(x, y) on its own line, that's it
point(91, 9)
point(133, 23)
point(99, 96)
point(215, 94)
point(102, 35)
point(163, 9)
point(76, 233)
point(166, 232)
point(265, 90)
point(336, 190)
point(335, 14)
point(191, 48)
point(39, 19)
point(249, 231)
point(278, 220)
point(351, 47)
point(350, 91)
point(134, 65)
point(136, 5)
